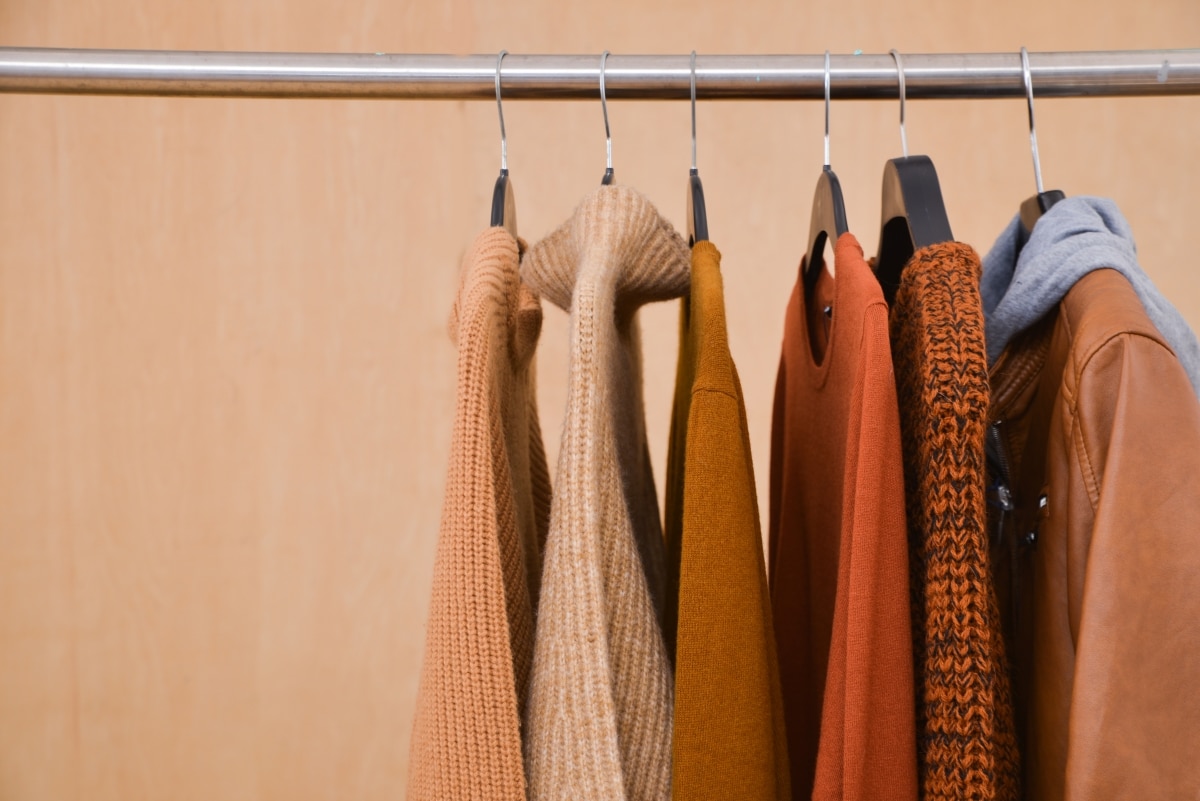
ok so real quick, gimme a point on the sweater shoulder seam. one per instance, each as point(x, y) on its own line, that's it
point(709, 390)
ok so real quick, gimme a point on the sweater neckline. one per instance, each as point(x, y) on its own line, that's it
point(614, 239)
point(819, 369)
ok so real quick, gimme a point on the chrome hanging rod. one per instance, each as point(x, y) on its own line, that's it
point(560, 77)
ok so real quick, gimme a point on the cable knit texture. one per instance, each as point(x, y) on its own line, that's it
point(601, 694)
point(729, 735)
point(466, 740)
point(966, 742)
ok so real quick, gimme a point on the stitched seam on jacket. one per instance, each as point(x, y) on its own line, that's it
point(1085, 461)
point(1085, 458)
point(1025, 377)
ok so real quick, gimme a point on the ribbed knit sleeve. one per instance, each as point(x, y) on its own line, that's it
point(601, 696)
point(466, 742)
point(966, 743)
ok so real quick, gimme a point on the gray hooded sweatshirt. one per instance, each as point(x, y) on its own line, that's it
point(1020, 284)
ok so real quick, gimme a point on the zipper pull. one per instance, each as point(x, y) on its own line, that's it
point(1000, 492)
point(1004, 498)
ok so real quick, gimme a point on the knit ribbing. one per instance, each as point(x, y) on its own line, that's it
point(966, 743)
point(466, 740)
point(601, 694)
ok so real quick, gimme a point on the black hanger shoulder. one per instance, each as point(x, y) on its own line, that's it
point(913, 216)
point(1033, 208)
point(828, 219)
point(504, 205)
point(697, 215)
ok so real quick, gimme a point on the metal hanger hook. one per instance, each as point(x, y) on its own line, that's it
point(827, 109)
point(693, 111)
point(604, 107)
point(903, 99)
point(500, 109)
point(1027, 74)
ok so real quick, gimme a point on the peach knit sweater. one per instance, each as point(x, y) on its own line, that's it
point(466, 742)
point(601, 694)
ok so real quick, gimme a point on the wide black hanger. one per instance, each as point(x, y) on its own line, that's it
point(1033, 208)
point(828, 208)
point(697, 215)
point(608, 171)
point(914, 216)
point(913, 212)
point(504, 205)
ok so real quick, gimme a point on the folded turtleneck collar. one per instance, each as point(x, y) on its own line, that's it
point(615, 237)
point(1023, 281)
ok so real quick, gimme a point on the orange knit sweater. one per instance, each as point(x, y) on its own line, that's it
point(729, 734)
point(966, 742)
point(466, 742)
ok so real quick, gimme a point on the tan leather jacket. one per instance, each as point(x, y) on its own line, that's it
point(1095, 455)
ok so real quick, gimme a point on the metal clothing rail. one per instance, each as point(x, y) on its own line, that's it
point(556, 77)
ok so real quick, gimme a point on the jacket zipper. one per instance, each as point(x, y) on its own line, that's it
point(1001, 489)
point(1001, 496)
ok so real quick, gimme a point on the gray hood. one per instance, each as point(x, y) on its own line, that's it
point(1020, 284)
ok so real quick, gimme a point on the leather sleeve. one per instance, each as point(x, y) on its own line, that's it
point(1132, 563)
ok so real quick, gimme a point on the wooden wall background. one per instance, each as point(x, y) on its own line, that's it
point(225, 382)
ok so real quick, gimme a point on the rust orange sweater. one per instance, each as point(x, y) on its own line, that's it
point(838, 551)
point(966, 741)
point(729, 733)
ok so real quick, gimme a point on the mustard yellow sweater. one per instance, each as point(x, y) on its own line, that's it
point(729, 730)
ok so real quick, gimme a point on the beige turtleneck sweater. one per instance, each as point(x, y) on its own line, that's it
point(600, 700)
point(466, 742)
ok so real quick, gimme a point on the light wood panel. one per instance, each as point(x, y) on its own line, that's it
point(225, 382)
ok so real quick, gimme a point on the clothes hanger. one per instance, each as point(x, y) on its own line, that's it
point(697, 216)
point(608, 171)
point(828, 209)
point(914, 214)
point(504, 205)
point(1033, 208)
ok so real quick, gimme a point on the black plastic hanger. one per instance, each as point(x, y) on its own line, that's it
point(697, 215)
point(608, 171)
point(828, 208)
point(504, 205)
point(1033, 208)
point(914, 214)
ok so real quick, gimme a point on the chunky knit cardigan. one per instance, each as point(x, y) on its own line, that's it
point(729, 732)
point(966, 743)
point(466, 741)
point(601, 693)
